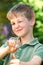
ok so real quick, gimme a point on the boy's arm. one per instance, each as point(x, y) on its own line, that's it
point(4, 51)
point(35, 61)
point(8, 47)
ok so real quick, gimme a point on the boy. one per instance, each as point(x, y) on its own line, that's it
point(30, 52)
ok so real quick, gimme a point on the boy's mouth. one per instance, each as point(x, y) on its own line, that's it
point(18, 30)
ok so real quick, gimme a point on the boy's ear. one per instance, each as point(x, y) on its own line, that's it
point(32, 22)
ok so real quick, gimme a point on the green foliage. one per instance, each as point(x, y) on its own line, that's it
point(37, 5)
point(1, 61)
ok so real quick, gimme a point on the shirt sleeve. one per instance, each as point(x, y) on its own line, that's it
point(5, 44)
point(39, 51)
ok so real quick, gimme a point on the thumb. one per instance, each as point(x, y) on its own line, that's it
point(13, 57)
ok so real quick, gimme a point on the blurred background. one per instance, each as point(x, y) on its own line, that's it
point(5, 27)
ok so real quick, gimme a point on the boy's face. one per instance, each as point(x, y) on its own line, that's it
point(20, 25)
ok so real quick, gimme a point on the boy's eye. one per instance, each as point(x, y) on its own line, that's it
point(19, 21)
point(12, 23)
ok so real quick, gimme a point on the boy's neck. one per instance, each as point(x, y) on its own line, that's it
point(26, 39)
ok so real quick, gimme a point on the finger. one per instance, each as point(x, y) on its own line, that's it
point(14, 61)
point(11, 42)
point(13, 64)
point(13, 57)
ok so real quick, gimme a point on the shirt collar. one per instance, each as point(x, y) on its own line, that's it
point(33, 42)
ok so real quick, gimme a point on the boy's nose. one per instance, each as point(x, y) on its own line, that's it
point(16, 25)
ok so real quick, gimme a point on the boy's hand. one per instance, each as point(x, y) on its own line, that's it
point(12, 45)
point(14, 61)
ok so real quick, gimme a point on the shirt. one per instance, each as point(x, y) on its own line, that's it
point(26, 52)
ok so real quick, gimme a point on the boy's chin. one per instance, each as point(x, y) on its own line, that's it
point(21, 35)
